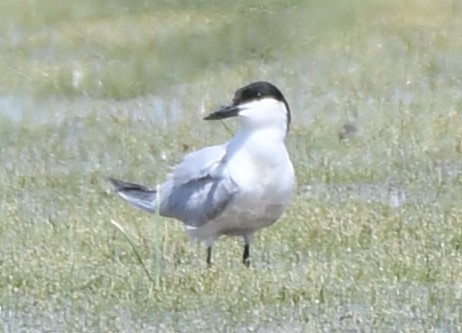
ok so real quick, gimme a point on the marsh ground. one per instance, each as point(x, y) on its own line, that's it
point(91, 89)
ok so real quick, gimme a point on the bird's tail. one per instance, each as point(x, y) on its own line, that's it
point(137, 195)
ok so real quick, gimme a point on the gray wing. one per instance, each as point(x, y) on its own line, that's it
point(199, 188)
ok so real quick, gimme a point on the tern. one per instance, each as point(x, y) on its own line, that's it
point(232, 189)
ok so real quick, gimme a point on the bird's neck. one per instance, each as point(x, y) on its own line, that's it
point(261, 143)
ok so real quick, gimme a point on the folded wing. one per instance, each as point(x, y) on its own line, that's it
point(199, 189)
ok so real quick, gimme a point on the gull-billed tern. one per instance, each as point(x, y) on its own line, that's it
point(231, 189)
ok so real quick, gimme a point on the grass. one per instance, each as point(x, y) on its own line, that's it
point(97, 89)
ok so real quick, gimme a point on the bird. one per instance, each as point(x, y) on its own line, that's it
point(231, 189)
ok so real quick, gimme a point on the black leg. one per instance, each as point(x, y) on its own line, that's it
point(245, 257)
point(209, 255)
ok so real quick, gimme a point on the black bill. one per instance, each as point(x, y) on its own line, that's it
point(223, 112)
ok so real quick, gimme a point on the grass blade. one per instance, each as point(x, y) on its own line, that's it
point(135, 250)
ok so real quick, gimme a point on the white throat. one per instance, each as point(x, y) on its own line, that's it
point(267, 116)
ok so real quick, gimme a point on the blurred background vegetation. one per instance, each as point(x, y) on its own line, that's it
point(373, 239)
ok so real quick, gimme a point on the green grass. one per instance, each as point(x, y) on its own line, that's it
point(339, 260)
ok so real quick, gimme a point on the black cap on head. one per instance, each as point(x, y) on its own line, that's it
point(257, 90)
point(253, 91)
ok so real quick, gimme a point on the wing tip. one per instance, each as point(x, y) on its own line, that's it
point(121, 185)
point(139, 196)
point(116, 183)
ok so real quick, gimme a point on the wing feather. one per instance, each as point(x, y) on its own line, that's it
point(199, 189)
